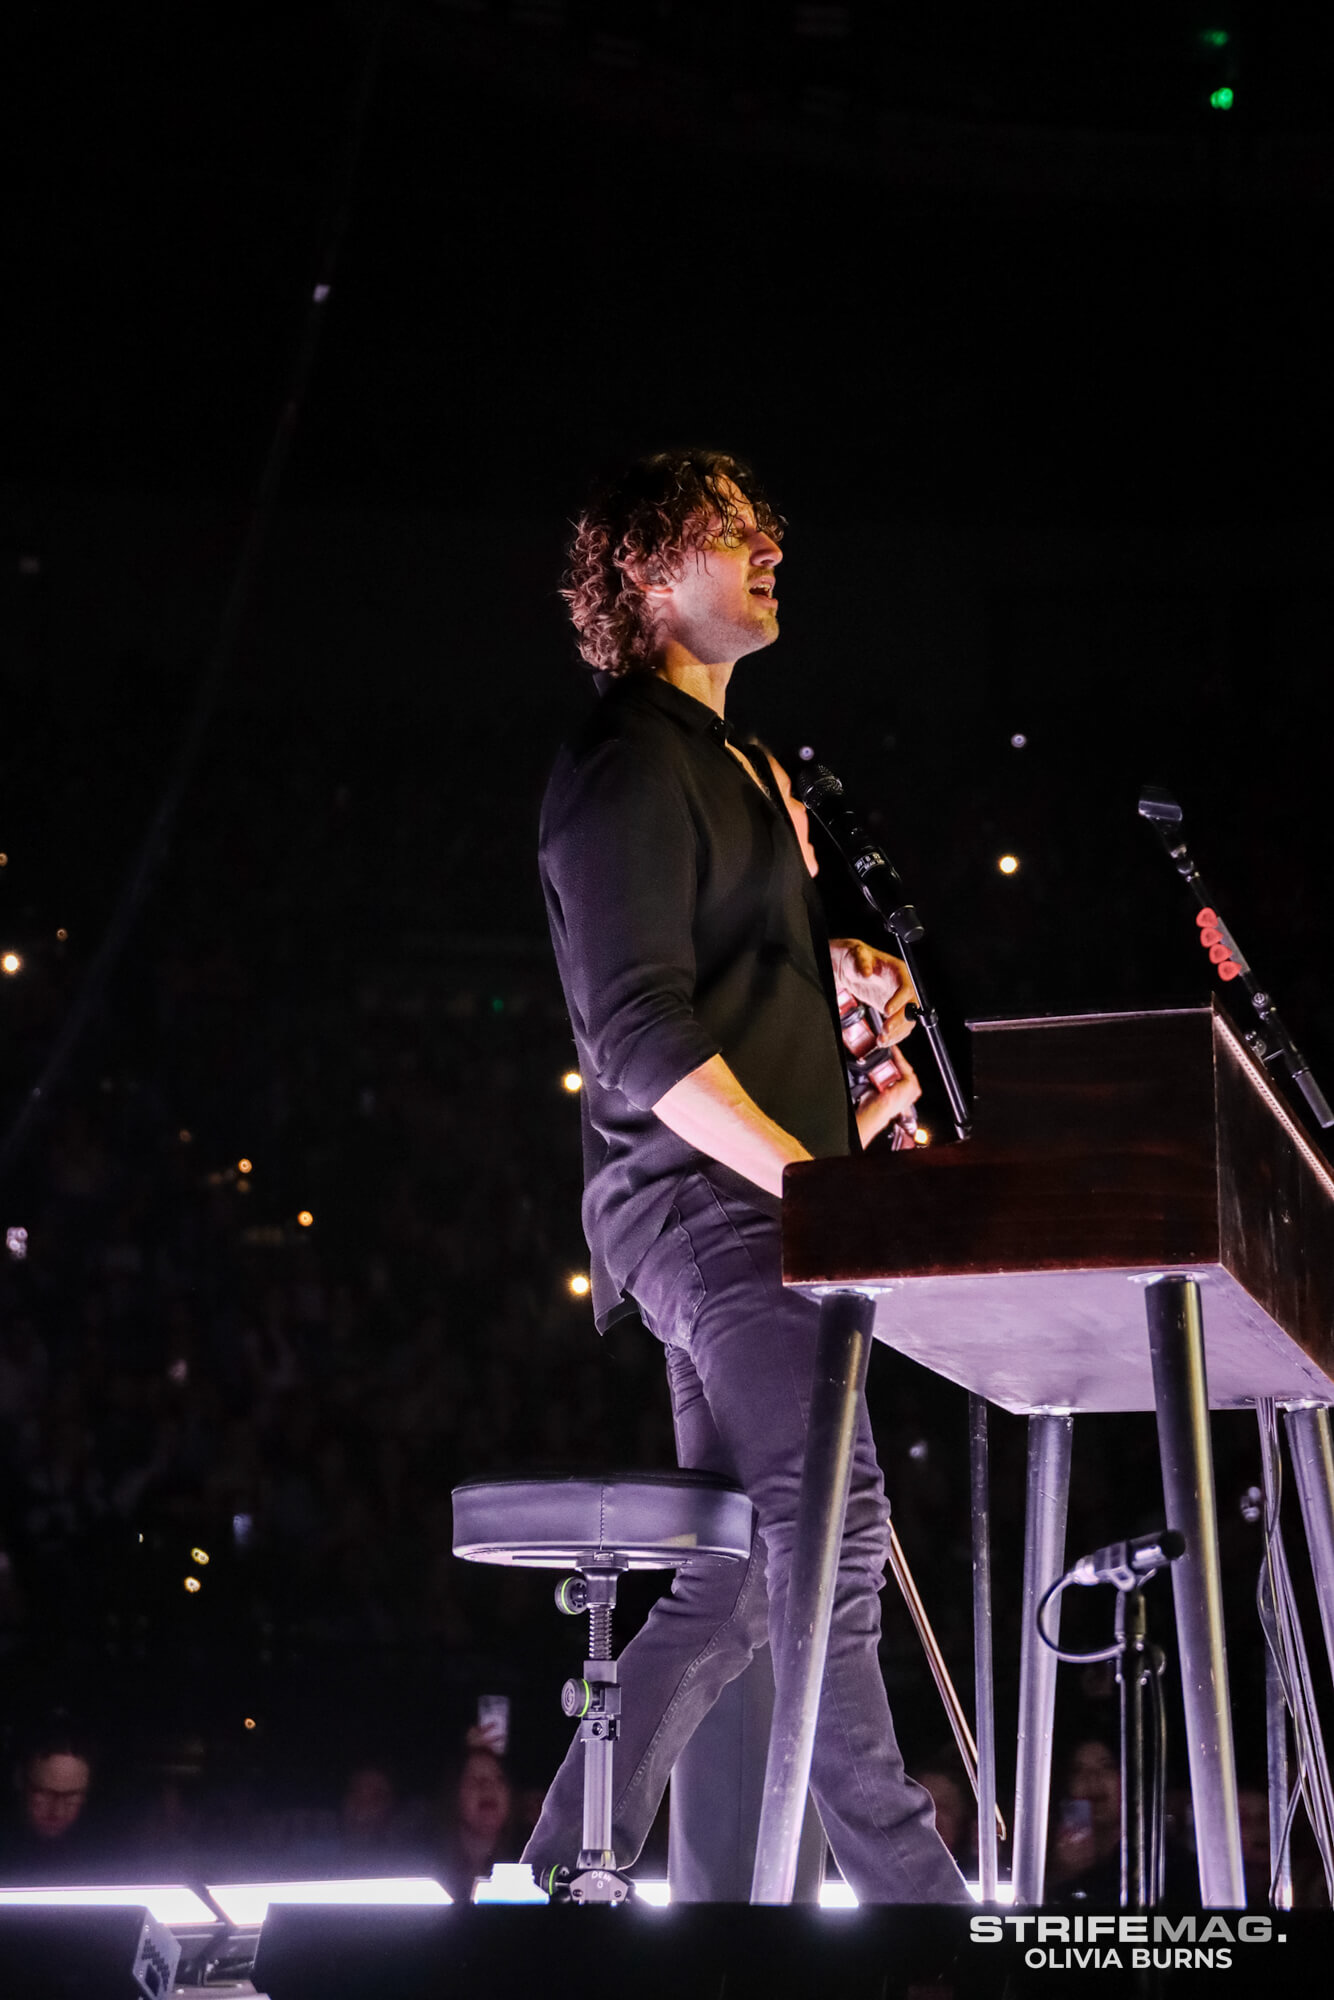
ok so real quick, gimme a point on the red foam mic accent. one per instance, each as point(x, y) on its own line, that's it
point(1218, 953)
point(1229, 969)
point(1210, 936)
point(1207, 917)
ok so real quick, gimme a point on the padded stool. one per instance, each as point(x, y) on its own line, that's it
point(599, 1527)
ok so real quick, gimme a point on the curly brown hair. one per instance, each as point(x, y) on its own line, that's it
point(645, 521)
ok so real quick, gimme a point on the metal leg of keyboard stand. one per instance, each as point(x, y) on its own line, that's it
point(984, 1679)
point(1181, 1394)
point(842, 1352)
point(1313, 1470)
point(1049, 1443)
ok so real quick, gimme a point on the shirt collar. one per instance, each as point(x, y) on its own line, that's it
point(651, 691)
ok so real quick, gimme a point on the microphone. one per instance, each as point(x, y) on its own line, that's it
point(816, 787)
point(1126, 1563)
point(1157, 805)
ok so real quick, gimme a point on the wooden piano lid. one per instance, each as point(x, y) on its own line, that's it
point(1108, 1149)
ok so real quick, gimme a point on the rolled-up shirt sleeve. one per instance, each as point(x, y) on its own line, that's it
point(619, 870)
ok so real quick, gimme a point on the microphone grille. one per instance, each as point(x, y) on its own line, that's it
point(1156, 804)
point(813, 783)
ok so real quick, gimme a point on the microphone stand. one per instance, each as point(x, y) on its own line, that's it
point(879, 881)
point(823, 797)
point(1275, 1046)
point(1139, 1671)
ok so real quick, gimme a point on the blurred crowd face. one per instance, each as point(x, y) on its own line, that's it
point(1253, 1807)
point(1095, 1775)
point(953, 1814)
point(368, 1802)
point(485, 1798)
point(55, 1790)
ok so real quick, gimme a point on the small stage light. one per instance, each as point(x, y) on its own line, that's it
point(305, 1218)
point(16, 1242)
point(184, 1136)
point(1221, 100)
point(4, 861)
point(11, 962)
point(62, 936)
point(572, 1081)
point(579, 1286)
point(509, 1882)
point(1008, 864)
point(200, 1556)
point(922, 1136)
point(192, 1584)
point(249, 1722)
point(1018, 741)
point(244, 1167)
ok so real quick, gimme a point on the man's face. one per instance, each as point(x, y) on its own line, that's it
point(54, 1793)
point(724, 603)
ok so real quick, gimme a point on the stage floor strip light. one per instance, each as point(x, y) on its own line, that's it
point(170, 1902)
point(247, 1903)
point(833, 1895)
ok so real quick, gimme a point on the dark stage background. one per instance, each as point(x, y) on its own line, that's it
point(1030, 341)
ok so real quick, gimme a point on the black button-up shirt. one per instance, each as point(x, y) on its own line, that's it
point(685, 926)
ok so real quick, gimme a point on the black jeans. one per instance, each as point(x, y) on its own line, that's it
point(740, 1356)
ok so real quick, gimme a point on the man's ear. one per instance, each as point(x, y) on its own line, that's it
point(654, 575)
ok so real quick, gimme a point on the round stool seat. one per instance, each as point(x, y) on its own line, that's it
point(647, 1520)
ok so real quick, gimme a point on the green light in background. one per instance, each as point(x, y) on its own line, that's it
point(1221, 99)
point(1214, 38)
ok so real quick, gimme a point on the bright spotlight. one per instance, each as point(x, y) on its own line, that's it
point(1008, 864)
point(306, 1219)
point(11, 962)
point(579, 1286)
point(572, 1081)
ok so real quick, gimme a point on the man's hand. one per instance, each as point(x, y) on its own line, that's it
point(876, 1112)
point(877, 978)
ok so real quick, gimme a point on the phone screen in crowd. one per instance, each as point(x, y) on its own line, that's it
point(493, 1715)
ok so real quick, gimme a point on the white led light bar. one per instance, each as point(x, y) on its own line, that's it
point(247, 1903)
point(169, 1902)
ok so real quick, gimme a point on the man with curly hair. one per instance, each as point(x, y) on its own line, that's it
point(700, 982)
